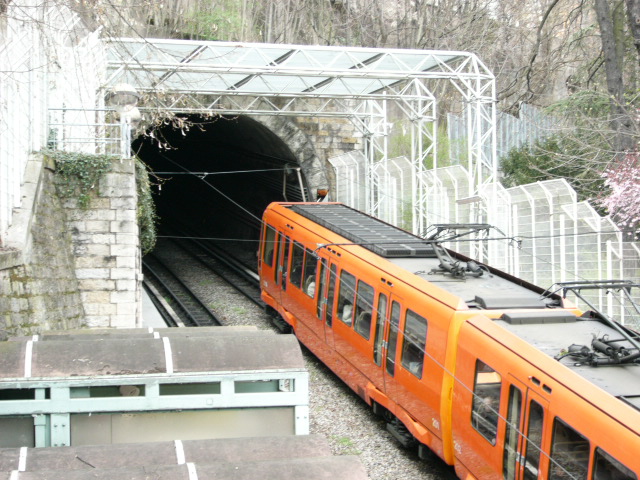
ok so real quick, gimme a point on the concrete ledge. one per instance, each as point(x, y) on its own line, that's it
point(19, 232)
point(10, 258)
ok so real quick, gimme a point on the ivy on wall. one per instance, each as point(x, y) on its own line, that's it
point(147, 216)
point(78, 176)
point(79, 173)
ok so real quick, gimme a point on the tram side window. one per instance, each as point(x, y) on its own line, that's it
point(285, 253)
point(297, 259)
point(608, 468)
point(309, 269)
point(486, 401)
point(510, 455)
point(346, 295)
point(364, 307)
point(569, 452)
point(269, 245)
point(415, 340)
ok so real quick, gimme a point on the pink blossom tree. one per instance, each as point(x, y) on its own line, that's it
point(623, 199)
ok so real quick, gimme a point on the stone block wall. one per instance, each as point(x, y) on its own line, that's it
point(314, 140)
point(331, 135)
point(38, 287)
point(106, 250)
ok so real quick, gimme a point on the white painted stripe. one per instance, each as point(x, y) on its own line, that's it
point(35, 338)
point(22, 462)
point(28, 354)
point(193, 475)
point(15, 475)
point(150, 329)
point(168, 357)
point(180, 459)
point(156, 335)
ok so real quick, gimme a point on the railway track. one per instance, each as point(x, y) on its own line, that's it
point(232, 269)
point(175, 301)
point(162, 280)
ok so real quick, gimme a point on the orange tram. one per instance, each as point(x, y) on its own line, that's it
point(498, 377)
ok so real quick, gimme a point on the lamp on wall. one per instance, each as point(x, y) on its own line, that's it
point(124, 99)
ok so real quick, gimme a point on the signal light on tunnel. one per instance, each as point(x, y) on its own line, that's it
point(321, 193)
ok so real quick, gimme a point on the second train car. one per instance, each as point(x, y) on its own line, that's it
point(499, 378)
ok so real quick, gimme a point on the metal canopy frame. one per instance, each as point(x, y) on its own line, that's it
point(187, 76)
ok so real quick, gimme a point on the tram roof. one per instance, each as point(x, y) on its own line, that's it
point(369, 232)
point(554, 337)
point(493, 290)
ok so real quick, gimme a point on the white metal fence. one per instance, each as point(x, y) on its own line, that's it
point(22, 79)
point(511, 132)
point(47, 60)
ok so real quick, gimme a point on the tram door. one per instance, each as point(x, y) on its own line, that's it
point(326, 300)
point(321, 297)
point(523, 458)
point(392, 338)
point(380, 320)
point(282, 263)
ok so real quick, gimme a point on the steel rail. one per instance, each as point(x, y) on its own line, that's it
point(189, 307)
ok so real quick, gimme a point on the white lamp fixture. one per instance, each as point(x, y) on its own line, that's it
point(122, 97)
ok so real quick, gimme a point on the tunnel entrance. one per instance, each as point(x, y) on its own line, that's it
point(213, 177)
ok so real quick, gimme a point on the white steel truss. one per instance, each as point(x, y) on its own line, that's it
point(180, 76)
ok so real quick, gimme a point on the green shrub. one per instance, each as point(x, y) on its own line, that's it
point(556, 157)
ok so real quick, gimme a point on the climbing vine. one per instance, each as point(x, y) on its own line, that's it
point(147, 216)
point(79, 173)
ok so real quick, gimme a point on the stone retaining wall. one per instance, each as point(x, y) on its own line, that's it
point(38, 287)
point(67, 267)
point(106, 250)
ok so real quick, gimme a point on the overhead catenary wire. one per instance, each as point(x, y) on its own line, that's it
point(202, 175)
point(205, 174)
point(517, 241)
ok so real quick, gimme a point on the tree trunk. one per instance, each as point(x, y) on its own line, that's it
point(620, 121)
point(633, 13)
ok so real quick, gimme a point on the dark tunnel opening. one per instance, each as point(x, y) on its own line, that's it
point(214, 177)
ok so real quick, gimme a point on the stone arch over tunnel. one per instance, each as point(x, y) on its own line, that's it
point(214, 176)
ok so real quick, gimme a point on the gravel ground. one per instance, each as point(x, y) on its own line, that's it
point(336, 412)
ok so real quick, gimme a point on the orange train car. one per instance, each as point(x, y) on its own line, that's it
point(499, 378)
